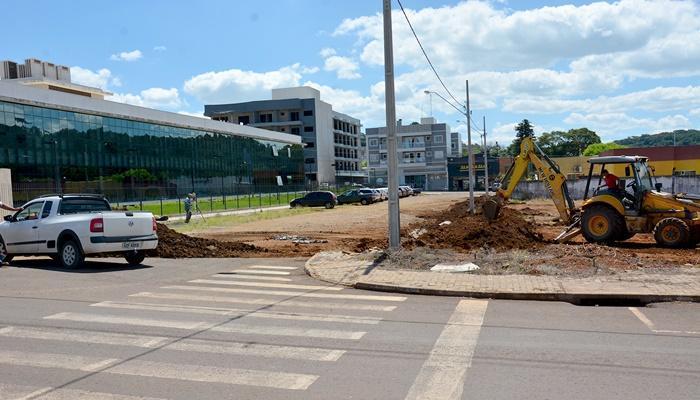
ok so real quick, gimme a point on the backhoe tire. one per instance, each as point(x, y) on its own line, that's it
point(602, 224)
point(672, 232)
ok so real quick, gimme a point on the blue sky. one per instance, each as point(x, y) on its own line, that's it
point(623, 68)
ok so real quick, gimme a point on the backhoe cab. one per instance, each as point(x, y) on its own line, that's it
point(637, 205)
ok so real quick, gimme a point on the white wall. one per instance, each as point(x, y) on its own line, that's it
point(5, 188)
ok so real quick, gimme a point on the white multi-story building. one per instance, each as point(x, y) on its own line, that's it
point(333, 145)
point(422, 151)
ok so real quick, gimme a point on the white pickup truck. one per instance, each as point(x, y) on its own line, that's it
point(70, 227)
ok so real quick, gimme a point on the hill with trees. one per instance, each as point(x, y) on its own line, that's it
point(683, 138)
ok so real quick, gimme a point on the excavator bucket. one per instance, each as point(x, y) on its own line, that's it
point(491, 208)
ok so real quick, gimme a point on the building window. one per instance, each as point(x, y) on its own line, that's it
point(308, 113)
point(294, 116)
point(265, 117)
point(373, 143)
point(282, 113)
point(309, 161)
point(283, 129)
point(308, 129)
point(374, 157)
point(310, 144)
point(438, 138)
point(427, 138)
point(244, 119)
point(295, 131)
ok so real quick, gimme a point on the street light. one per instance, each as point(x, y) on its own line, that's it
point(467, 113)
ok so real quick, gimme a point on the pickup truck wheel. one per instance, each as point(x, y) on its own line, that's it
point(70, 255)
point(135, 257)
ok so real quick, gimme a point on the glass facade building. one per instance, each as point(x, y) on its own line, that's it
point(52, 149)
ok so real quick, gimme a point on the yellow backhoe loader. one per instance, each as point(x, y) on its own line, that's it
point(608, 215)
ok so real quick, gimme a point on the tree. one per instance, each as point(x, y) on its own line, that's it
point(522, 130)
point(597, 148)
point(567, 144)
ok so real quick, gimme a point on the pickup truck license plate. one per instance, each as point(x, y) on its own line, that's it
point(131, 245)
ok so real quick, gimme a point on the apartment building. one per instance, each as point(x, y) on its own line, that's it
point(333, 152)
point(422, 151)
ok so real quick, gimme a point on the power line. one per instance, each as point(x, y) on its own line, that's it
point(426, 55)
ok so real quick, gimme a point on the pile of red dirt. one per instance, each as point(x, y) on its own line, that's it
point(172, 244)
point(472, 231)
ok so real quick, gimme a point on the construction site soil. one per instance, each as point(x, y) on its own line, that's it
point(520, 241)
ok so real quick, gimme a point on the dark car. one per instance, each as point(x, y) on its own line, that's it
point(315, 199)
point(417, 190)
point(362, 196)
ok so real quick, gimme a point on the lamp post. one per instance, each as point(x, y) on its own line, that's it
point(467, 113)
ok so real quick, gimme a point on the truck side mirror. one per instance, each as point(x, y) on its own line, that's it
point(658, 186)
point(8, 218)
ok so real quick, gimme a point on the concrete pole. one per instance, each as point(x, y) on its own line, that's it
point(471, 153)
point(486, 160)
point(394, 221)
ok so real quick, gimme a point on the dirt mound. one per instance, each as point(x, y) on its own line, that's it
point(172, 244)
point(457, 228)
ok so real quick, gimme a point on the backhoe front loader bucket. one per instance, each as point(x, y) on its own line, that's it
point(492, 208)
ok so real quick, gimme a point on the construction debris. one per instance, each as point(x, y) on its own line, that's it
point(172, 244)
point(300, 239)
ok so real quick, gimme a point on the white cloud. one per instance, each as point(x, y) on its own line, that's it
point(152, 98)
point(160, 48)
point(695, 112)
point(344, 67)
point(616, 125)
point(235, 85)
point(660, 99)
point(327, 52)
point(127, 56)
point(100, 79)
point(496, 39)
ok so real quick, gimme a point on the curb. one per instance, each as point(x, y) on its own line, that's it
point(574, 298)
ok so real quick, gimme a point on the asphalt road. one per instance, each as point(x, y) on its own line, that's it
point(261, 329)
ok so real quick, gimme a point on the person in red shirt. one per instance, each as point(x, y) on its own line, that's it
point(611, 181)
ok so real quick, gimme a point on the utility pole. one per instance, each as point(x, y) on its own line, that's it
point(394, 234)
point(471, 152)
point(486, 161)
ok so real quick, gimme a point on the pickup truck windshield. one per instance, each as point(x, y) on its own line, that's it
point(83, 205)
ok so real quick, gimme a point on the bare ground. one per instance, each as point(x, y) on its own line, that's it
point(358, 228)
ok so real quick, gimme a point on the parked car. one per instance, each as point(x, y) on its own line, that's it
point(362, 196)
point(417, 191)
point(407, 190)
point(374, 195)
point(384, 192)
point(69, 228)
point(315, 199)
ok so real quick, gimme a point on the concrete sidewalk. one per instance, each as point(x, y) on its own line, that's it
point(358, 271)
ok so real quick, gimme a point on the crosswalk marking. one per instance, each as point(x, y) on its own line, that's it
point(199, 373)
point(252, 277)
point(237, 311)
point(288, 331)
point(267, 285)
point(293, 294)
point(442, 375)
point(73, 394)
point(273, 267)
point(259, 272)
point(62, 334)
point(260, 302)
point(19, 392)
point(107, 319)
point(50, 360)
point(259, 350)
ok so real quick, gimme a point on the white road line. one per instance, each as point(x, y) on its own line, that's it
point(107, 319)
point(273, 267)
point(646, 321)
point(73, 394)
point(260, 302)
point(199, 373)
point(442, 375)
point(20, 392)
point(257, 350)
point(252, 277)
point(50, 360)
point(267, 285)
point(288, 331)
point(258, 272)
point(238, 311)
point(292, 294)
point(71, 335)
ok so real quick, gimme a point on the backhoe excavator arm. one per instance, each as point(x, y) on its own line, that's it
point(548, 171)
